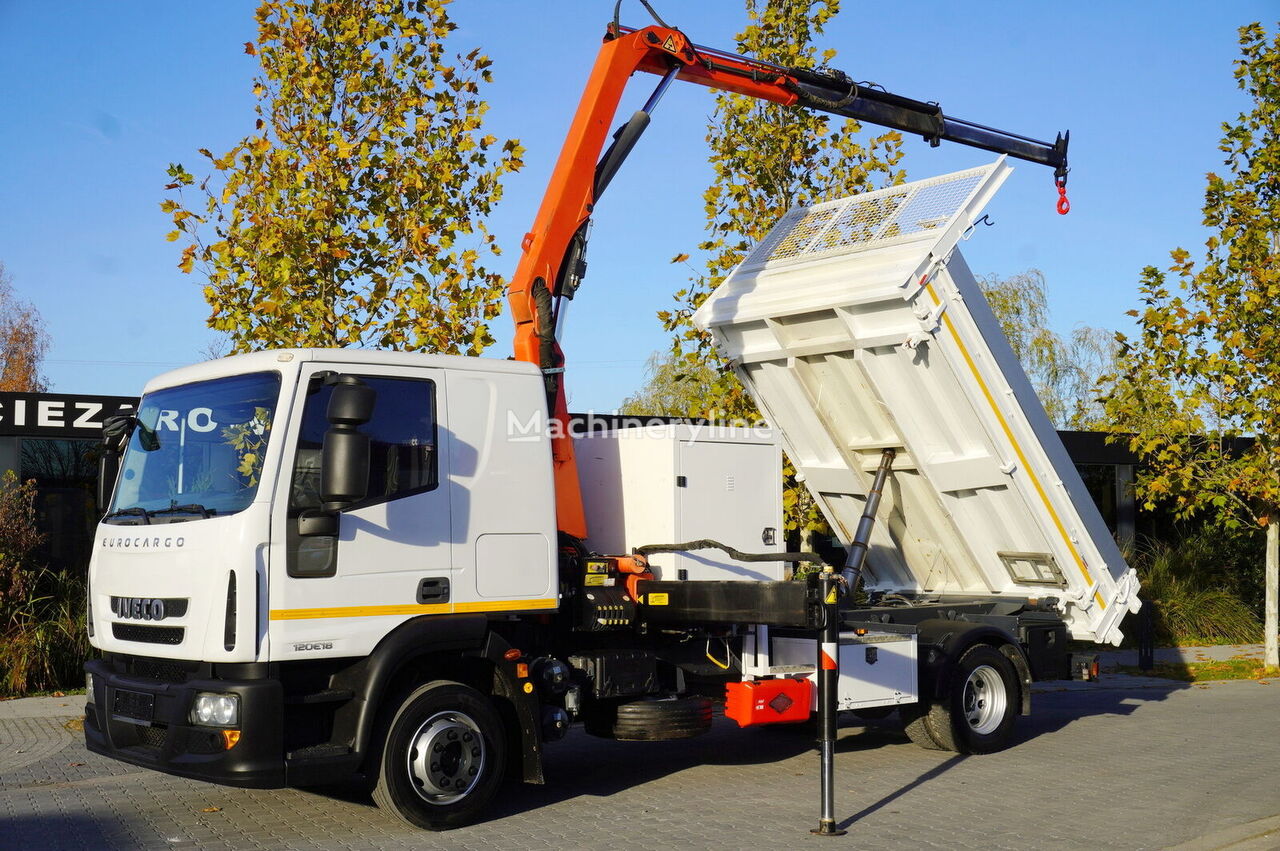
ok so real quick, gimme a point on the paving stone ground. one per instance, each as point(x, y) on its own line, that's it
point(1124, 764)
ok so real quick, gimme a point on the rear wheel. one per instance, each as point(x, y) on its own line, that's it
point(443, 757)
point(913, 722)
point(977, 713)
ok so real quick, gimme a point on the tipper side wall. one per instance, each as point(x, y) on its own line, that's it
point(857, 327)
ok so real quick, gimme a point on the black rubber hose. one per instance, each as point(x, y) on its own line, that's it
point(705, 544)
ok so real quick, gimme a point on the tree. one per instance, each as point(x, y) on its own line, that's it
point(669, 392)
point(354, 214)
point(1203, 369)
point(23, 342)
point(1063, 372)
point(768, 158)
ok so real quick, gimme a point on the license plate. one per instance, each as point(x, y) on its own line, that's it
point(136, 707)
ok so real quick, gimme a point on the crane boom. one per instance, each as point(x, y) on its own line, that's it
point(552, 264)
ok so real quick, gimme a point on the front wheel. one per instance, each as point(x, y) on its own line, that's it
point(443, 757)
point(978, 710)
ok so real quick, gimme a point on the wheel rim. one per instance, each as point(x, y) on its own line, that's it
point(446, 757)
point(985, 699)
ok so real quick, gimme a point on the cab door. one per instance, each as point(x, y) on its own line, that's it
point(337, 595)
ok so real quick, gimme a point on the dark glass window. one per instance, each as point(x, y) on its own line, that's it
point(198, 447)
point(402, 441)
point(1100, 482)
point(65, 471)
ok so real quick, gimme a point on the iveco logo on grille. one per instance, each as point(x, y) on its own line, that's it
point(138, 608)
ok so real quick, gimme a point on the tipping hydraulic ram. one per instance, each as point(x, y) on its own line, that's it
point(553, 264)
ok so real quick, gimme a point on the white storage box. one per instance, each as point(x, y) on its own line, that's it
point(857, 327)
point(673, 483)
point(876, 668)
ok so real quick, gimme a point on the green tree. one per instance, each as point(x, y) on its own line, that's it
point(668, 391)
point(768, 158)
point(1062, 371)
point(354, 214)
point(1204, 366)
point(23, 341)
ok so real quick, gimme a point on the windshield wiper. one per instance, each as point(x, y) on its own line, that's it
point(189, 508)
point(136, 511)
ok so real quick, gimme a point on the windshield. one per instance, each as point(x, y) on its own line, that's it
point(197, 450)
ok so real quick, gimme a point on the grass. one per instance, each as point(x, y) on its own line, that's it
point(1194, 672)
point(71, 692)
point(1189, 612)
point(44, 645)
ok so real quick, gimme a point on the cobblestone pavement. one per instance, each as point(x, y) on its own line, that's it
point(1120, 764)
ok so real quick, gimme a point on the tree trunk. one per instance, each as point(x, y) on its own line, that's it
point(1271, 626)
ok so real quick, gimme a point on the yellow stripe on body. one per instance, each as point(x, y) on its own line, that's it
point(1022, 458)
point(411, 609)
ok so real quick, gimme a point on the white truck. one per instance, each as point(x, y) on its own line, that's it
point(319, 565)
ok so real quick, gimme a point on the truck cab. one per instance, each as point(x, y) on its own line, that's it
point(222, 563)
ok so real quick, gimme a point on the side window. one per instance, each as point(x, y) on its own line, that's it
point(402, 458)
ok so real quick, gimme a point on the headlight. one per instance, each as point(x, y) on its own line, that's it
point(88, 687)
point(216, 710)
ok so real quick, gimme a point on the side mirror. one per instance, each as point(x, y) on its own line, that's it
point(344, 460)
point(116, 432)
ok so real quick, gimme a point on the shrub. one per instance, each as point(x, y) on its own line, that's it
point(43, 643)
point(1192, 604)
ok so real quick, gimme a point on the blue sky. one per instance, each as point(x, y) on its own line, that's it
point(100, 97)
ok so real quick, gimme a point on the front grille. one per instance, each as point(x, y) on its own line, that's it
point(203, 741)
point(152, 737)
point(159, 669)
point(148, 634)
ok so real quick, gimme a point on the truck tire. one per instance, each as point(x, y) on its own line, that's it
point(443, 757)
point(650, 720)
point(913, 717)
point(977, 710)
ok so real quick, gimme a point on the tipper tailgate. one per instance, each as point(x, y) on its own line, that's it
point(857, 327)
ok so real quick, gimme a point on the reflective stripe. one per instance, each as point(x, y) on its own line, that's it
point(411, 609)
point(973, 367)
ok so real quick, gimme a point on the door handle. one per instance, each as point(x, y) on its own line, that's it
point(433, 590)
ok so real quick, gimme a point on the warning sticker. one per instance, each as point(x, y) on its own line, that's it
point(657, 599)
point(669, 44)
point(597, 579)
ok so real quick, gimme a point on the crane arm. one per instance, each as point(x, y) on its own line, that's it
point(553, 261)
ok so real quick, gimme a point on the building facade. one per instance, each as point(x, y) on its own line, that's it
point(55, 439)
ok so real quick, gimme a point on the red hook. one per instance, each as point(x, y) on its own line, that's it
point(1064, 206)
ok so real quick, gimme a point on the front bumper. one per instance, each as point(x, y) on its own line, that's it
point(164, 739)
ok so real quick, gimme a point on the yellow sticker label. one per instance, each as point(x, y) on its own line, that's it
point(831, 597)
point(669, 45)
point(656, 599)
point(594, 579)
point(597, 567)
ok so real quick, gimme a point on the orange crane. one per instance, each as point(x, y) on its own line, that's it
point(553, 263)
